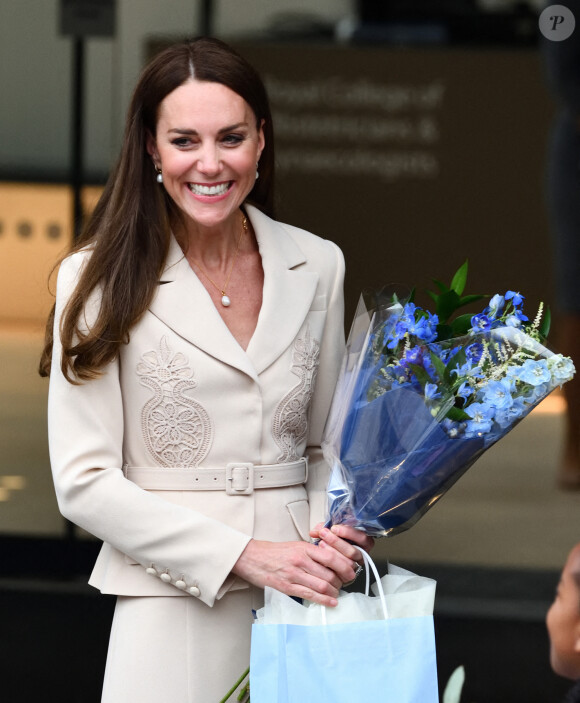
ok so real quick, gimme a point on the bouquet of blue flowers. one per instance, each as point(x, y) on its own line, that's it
point(422, 395)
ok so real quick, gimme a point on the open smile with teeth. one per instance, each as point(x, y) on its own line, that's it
point(219, 189)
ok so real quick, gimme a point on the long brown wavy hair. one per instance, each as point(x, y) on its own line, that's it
point(128, 233)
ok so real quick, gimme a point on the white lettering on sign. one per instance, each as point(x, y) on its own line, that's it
point(332, 125)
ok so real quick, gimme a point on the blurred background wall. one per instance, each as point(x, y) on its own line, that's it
point(375, 112)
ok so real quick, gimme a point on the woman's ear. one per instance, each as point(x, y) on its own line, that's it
point(261, 138)
point(151, 146)
point(577, 638)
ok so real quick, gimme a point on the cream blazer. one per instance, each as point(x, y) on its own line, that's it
point(184, 393)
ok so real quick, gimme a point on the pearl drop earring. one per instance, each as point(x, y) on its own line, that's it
point(257, 172)
point(159, 177)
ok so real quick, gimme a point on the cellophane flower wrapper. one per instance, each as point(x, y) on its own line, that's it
point(392, 446)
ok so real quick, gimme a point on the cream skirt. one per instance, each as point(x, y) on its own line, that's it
point(177, 648)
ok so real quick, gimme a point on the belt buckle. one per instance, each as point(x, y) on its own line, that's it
point(240, 479)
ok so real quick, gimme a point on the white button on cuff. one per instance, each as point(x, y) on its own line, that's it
point(151, 571)
point(194, 590)
point(181, 584)
point(165, 577)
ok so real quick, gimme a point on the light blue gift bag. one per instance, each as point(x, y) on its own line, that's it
point(387, 659)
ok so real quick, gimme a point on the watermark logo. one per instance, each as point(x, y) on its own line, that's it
point(557, 22)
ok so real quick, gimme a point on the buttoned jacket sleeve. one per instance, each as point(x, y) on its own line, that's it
point(86, 424)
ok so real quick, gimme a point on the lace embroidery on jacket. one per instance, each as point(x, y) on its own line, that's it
point(176, 428)
point(290, 424)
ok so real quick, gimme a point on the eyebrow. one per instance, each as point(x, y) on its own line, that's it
point(194, 132)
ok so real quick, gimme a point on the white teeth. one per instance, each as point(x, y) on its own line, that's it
point(199, 189)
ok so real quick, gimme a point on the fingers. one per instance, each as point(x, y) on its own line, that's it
point(296, 568)
point(341, 565)
point(347, 540)
point(353, 535)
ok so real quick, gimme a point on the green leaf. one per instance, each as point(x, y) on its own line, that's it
point(457, 414)
point(447, 305)
point(434, 297)
point(422, 375)
point(457, 361)
point(467, 299)
point(412, 295)
point(460, 278)
point(444, 332)
point(442, 287)
point(546, 323)
point(461, 325)
point(438, 364)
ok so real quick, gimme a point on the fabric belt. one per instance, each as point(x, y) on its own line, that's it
point(237, 478)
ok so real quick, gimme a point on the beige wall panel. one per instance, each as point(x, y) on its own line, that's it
point(35, 230)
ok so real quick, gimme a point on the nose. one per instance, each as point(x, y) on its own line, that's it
point(208, 161)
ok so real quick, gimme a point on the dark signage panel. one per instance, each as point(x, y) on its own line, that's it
point(87, 18)
point(414, 160)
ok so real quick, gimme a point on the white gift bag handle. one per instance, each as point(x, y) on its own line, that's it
point(369, 566)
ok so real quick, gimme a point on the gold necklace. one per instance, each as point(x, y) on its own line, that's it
point(226, 302)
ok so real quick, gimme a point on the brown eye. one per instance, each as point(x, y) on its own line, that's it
point(233, 139)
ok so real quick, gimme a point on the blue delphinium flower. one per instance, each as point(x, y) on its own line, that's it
point(498, 394)
point(516, 298)
point(464, 391)
point(495, 307)
point(431, 392)
point(429, 329)
point(534, 372)
point(469, 368)
point(513, 321)
point(516, 410)
point(413, 355)
point(561, 368)
point(481, 419)
point(474, 351)
point(480, 323)
point(452, 428)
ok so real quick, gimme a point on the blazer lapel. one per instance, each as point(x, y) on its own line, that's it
point(184, 305)
point(288, 292)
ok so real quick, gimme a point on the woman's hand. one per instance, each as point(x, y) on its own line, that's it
point(310, 571)
point(346, 540)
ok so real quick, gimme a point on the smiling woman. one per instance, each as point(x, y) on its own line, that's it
point(196, 346)
point(206, 147)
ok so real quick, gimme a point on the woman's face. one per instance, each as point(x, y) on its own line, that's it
point(207, 146)
point(563, 622)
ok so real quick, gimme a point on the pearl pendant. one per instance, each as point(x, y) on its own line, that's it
point(226, 302)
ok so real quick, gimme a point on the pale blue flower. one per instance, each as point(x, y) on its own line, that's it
point(464, 391)
point(495, 306)
point(453, 428)
point(561, 368)
point(481, 419)
point(431, 391)
point(534, 372)
point(467, 370)
point(508, 416)
point(513, 321)
point(535, 394)
point(498, 394)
